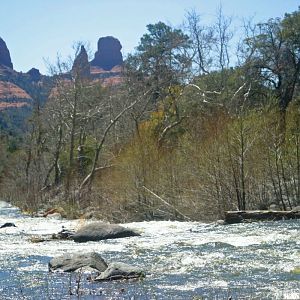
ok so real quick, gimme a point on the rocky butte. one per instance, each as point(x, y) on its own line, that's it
point(108, 54)
point(106, 67)
point(35, 74)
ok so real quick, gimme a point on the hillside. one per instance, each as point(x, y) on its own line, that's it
point(10, 91)
point(19, 91)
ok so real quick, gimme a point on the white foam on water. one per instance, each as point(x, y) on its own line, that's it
point(164, 247)
point(290, 295)
point(194, 286)
point(286, 293)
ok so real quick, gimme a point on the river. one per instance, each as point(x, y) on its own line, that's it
point(182, 260)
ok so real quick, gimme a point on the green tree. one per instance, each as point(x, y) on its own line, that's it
point(161, 59)
point(274, 54)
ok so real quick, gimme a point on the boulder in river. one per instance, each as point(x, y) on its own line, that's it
point(101, 231)
point(73, 262)
point(118, 271)
point(8, 225)
point(64, 234)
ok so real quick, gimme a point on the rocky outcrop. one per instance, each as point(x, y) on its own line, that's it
point(81, 65)
point(117, 271)
point(5, 59)
point(17, 89)
point(12, 96)
point(113, 77)
point(101, 231)
point(9, 90)
point(73, 262)
point(108, 54)
point(35, 74)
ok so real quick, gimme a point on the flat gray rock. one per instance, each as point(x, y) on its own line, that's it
point(75, 261)
point(119, 271)
point(101, 231)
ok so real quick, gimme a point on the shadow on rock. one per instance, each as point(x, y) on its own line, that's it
point(93, 262)
point(75, 261)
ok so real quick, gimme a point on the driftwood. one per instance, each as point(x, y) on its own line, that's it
point(167, 204)
point(232, 217)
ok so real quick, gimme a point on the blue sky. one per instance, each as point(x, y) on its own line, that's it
point(35, 30)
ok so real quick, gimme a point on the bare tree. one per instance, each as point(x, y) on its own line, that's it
point(224, 34)
point(203, 40)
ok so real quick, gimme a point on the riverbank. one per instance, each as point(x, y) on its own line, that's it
point(234, 217)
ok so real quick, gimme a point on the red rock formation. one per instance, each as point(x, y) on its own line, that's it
point(5, 59)
point(12, 96)
point(112, 81)
point(9, 90)
point(34, 74)
point(108, 54)
point(98, 71)
point(5, 105)
point(81, 66)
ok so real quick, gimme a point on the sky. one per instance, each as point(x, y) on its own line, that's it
point(36, 31)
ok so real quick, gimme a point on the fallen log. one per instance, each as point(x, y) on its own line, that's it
point(247, 216)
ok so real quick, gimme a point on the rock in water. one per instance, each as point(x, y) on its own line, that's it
point(64, 234)
point(117, 271)
point(75, 261)
point(101, 231)
point(8, 225)
point(108, 54)
point(5, 59)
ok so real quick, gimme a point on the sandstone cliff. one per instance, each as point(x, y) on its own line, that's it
point(12, 96)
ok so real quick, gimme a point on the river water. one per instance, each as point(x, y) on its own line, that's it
point(182, 260)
